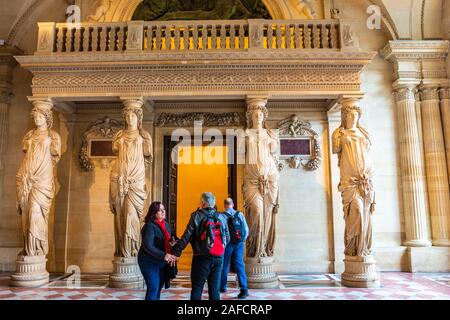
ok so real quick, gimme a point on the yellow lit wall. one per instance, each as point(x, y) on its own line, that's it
point(195, 178)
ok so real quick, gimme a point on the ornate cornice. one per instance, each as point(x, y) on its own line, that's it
point(311, 57)
point(412, 50)
point(217, 72)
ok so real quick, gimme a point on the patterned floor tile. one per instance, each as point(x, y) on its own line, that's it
point(395, 286)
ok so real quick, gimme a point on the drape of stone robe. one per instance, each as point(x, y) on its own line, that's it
point(260, 192)
point(356, 187)
point(128, 190)
point(36, 188)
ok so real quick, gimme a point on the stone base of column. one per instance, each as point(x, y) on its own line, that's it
point(360, 272)
point(126, 274)
point(417, 243)
point(441, 243)
point(260, 273)
point(30, 272)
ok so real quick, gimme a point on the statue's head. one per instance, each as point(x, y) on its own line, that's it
point(256, 113)
point(133, 117)
point(42, 116)
point(351, 114)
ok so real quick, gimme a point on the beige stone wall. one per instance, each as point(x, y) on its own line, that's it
point(308, 229)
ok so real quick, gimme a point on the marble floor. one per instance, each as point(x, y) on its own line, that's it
point(394, 286)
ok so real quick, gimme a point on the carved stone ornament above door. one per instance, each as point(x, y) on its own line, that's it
point(299, 144)
point(207, 119)
point(96, 143)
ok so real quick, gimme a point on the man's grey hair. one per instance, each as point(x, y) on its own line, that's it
point(208, 199)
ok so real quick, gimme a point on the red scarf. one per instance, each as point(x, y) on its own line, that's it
point(162, 225)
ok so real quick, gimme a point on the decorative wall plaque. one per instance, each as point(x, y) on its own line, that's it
point(96, 143)
point(299, 145)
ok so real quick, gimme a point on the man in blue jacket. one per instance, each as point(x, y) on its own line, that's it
point(238, 228)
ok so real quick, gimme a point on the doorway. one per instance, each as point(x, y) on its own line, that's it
point(188, 171)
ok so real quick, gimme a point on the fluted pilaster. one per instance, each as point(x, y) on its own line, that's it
point(445, 112)
point(412, 169)
point(436, 167)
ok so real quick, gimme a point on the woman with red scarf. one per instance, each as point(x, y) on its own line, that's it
point(154, 257)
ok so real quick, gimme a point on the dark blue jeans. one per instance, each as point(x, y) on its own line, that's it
point(235, 252)
point(154, 277)
point(205, 268)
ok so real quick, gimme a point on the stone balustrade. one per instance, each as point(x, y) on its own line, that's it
point(157, 36)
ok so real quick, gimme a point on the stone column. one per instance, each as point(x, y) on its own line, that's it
point(126, 272)
point(445, 112)
point(31, 269)
point(359, 264)
point(259, 261)
point(412, 170)
point(436, 167)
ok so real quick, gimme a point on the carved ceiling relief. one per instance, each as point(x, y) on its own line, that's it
point(299, 144)
point(96, 143)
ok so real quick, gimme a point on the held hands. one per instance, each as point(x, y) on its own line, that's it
point(171, 259)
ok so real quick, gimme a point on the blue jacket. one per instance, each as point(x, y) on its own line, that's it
point(152, 246)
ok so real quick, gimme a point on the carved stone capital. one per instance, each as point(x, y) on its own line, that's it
point(444, 93)
point(132, 102)
point(406, 93)
point(256, 102)
point(429, 94)
point(41, 103)
point(350, 102)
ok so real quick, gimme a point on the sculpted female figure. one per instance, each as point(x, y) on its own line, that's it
point(260, 182)
point(352, 143)
point(35, 180)
point(128, 190)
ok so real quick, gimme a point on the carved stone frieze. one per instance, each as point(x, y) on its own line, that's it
point(104, 128)
point(206, 118)
point(293, 127)
point(178, 80)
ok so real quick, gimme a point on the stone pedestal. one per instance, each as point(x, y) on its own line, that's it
point(30, 272)
point(260, 273)
point(126, 274)
point(360, 272)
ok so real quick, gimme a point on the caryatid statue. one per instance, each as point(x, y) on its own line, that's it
point(261, 181)
point(35, 179)
point(352, 143)
point(128, 189)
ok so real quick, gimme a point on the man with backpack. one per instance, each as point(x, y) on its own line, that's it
point(238, 228)
point(207, 231)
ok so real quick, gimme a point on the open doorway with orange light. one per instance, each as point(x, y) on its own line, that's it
point(190, 170)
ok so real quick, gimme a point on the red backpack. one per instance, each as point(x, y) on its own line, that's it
point(213, 235)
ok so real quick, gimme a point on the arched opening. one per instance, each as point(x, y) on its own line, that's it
point(200, 10)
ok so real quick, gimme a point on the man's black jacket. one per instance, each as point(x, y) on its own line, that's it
point(194, 229)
